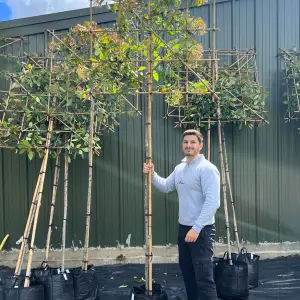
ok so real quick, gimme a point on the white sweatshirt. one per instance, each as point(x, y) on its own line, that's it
point(198, 188)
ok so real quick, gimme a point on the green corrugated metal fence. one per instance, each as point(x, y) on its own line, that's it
point(264, 162)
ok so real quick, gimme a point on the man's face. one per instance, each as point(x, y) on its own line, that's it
point(191, 145)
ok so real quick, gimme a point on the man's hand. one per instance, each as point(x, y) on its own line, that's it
point(191, 236)
point(147, 168)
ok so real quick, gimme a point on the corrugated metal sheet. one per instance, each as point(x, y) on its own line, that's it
point(264, 162)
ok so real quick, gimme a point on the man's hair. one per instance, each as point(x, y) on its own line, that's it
point(195, 133)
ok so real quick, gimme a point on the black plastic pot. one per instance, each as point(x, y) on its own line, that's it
point(215, 263)
point(1, 292)
point(252, 260)
point(140, 293)
point(12, 288)
point(85, 284)
point(56, 285)
point(6, 272)
point(232, 280)
point(11, 282)
point(31, 293)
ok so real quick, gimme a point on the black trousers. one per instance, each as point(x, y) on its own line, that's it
point(195, 261)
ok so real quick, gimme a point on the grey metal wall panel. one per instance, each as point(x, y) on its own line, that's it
point(244, 184)
point(267, 136)
point(289, 142)
point(264, 162)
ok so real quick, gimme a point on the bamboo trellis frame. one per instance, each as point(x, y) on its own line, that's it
point(238, 61)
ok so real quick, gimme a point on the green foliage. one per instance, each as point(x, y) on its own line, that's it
point(242, 100)
point(108, 75)
point(292, 82)
point(113, 70)
point(66, 97)
point(173, 38)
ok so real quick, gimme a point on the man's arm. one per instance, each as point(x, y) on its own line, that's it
point(210, 182)
point(164, 185)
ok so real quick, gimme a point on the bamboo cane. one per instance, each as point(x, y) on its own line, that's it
point(230, 191)
point(223, 181)
point(145, 201)
point(213, 74)
point(146, 213)
point(7, 100)
point(66, 173)
point(149, 158)
point(28, 225)
point(221, 155)
point(88, 214)
point(40, 192)
point(54, 192)
point(210, 70)
point(137, 66)
point(208, 139)
point(91, 142)
point(186, 69)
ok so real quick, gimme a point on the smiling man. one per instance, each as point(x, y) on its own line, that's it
point(197, 182)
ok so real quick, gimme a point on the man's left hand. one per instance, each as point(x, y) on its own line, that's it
point(191, 236)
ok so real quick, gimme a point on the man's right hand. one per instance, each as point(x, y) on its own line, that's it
point(147, 168)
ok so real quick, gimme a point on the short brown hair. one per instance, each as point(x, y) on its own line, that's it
point(195, 133)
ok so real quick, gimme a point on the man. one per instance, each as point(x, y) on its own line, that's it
point(197, 182)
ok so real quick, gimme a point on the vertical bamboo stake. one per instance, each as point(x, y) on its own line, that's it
point(7, 99)
point(208, 139)
point(137, 65)
point(149, 157)
point(54, 192)
point(40, 192)
point(146, 208)
point(66, 173)
point(223, 177)
point(186, 68)
point(213, 74)
point(56, 167)
point(211, 67)
point(230, 192)
point(28, 225)
point(91, 142)
point(88, 214)
point(146, 214)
